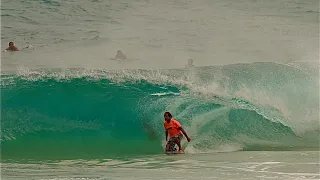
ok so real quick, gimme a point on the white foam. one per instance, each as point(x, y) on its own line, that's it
point(275, 106)
point(165, 93)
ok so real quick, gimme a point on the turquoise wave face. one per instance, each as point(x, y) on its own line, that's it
point(101, 114)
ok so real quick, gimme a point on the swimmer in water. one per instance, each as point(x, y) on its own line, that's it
point(12, 47)
point(119, 56)
point(190, 63)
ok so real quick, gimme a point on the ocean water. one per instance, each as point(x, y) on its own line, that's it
point(250, 104)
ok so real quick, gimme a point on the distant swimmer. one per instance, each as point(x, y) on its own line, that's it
point(12, 47)
point(175, 130)
point(119, 56)
point(190, 63)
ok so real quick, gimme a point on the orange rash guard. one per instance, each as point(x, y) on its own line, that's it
point(172, 127)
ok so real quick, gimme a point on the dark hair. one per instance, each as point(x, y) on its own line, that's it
point(168, 113)
point(10, 42)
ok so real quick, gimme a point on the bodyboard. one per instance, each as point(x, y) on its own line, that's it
point(173, 152)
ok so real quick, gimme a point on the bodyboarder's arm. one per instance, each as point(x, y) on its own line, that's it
point(185, 134)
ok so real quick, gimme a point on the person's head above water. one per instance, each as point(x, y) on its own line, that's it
point(167, 116)
point(12, 47)
point(119, 52)
point(120, 55)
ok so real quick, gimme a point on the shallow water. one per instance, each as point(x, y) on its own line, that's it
point(248, 165)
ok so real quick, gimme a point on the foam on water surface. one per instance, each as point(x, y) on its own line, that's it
point(239, 165)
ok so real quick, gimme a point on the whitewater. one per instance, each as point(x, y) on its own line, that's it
point(250, 104)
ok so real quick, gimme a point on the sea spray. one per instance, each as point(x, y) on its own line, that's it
point(83, 113)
